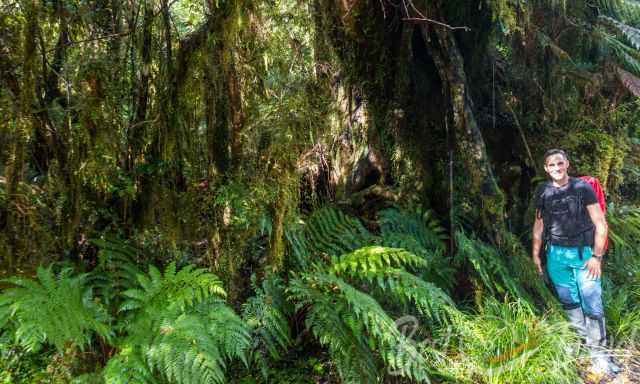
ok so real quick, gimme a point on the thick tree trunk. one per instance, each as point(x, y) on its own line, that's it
point(217, 106)
point(23, 124)
point(225, 120)
point(141, 208)
point(138, 124)
point(22, 128)
point(444, 50)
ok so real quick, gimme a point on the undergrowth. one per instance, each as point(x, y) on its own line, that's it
point(379, 306)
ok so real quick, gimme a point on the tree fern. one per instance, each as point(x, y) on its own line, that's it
point(184, 288)
point(349, 321)
point(53, 310)
point(630, 33)
point(374, 258)
point(298, 246)
point(194, 347)
point(627, 11)
point(624, 17)
point(129, 367)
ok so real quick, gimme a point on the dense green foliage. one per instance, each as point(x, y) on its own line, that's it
point(322, 191)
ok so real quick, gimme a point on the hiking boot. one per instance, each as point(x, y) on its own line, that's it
point(614, 368)
point(577, 321)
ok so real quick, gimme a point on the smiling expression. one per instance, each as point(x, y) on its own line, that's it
point(556, 167)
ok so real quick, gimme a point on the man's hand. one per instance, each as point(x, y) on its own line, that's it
point(538, 263)
point(594, 267)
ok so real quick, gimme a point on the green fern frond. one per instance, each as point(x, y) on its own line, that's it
point(298, 246)
point(421, 234)
point(489, 265)
point(128, 367)
point(630, 33)
point(195, 347)
point(430, 300)
point(628, 11)
point(266, 316)
point(179, 328)
point(374, 259)
point(627, 56)
point(53, 309)
point(187, 287)
point(398, 353)
point(421, 225)
point(116, 271)
point(383, 267)
point(331, 321)
point(331, 232)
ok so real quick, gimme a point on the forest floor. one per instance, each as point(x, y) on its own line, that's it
point(631, 374)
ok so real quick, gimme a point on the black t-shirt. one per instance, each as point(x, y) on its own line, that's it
point(564, 212)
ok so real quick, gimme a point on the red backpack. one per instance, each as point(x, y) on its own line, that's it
point(597, 188)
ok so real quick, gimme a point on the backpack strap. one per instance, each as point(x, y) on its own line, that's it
point(581, 216)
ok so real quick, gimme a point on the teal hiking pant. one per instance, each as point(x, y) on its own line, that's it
point(571, 281)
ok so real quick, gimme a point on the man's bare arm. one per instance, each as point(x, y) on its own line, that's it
point(598, 219)
point(538, 228)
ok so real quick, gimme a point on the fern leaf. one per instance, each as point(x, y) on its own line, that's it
point(398, 353)
point(266, 315)
point(54, 310)
point(488, 264)
point(127, 367)
point(116, 271)
point(331, 322)
point(632, 34)
point(331, 232)
point(374, 258)
point(421, 225)
point(430, 301)
point(180, 327)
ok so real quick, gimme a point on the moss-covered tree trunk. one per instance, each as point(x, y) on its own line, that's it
point(471, 147)
point(225, 121)
point(22, 128)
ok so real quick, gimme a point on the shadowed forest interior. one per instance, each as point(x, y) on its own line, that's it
point(307, 191)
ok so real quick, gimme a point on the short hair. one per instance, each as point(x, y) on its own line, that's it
point(555, 151)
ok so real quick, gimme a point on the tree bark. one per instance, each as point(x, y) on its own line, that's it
point(22, 128)
point(443, 47)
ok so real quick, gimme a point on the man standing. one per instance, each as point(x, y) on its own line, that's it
point(572, 227)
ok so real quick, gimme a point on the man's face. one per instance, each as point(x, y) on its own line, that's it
point(556, 167)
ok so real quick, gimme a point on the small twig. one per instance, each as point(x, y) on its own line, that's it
point(427, 20)
point(522, 135)
point(384, 11)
